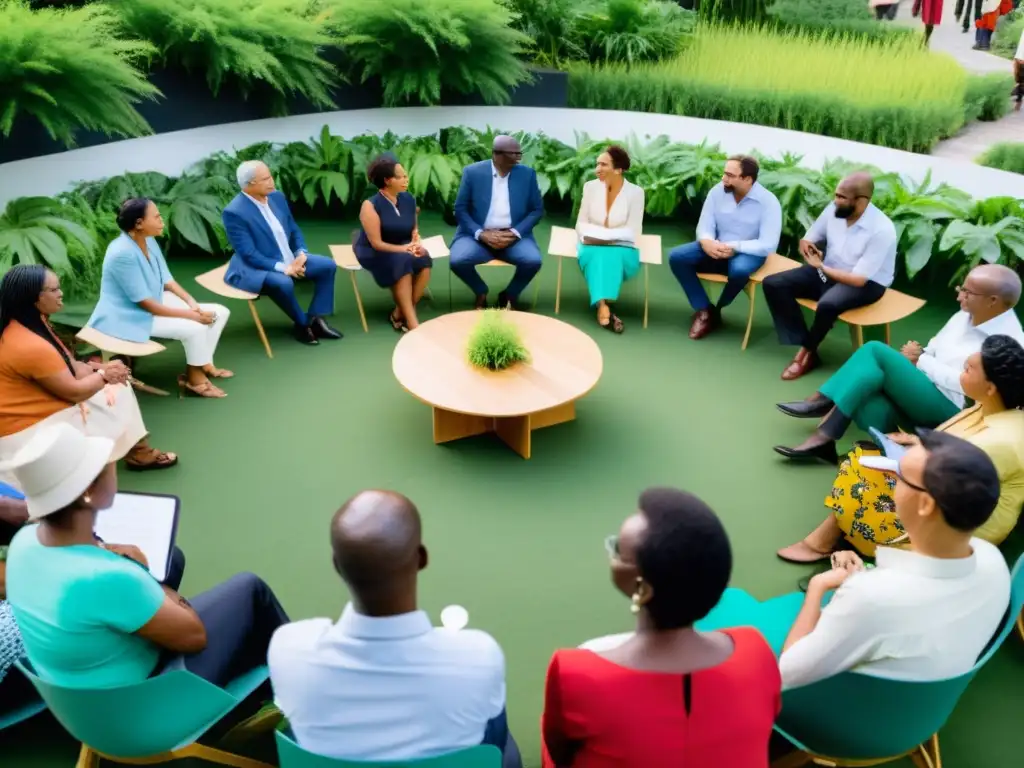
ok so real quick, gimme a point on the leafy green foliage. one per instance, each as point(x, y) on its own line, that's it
point(1006, 156)
point(554, 27)
point(1008, 33)
point(790, 79)
point(495, 343)
point(730, 10)
point(834, 17)
point(69, 70)
point(248, 41)
point(327, 174)
point(987, 97)
point(420, 49)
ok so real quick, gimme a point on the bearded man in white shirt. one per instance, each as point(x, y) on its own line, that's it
point(914, 387)
point(924, 613)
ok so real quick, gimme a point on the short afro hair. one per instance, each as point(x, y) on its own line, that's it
point(1002, 359)
point(685, 557)
point(380, 169)
point(619, 156)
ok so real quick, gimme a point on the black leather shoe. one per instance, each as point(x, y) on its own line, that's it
point(825, 453)
point(807, 409)
point(507, 302)
point(322, 330)
point(481, 302)
point(305, 335)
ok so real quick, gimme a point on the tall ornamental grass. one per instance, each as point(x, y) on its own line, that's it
point(69, 70)
point(892, 93)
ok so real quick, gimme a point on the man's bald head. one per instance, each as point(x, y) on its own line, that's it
point(853, 195)
point(997, 280)
point(860, 183)
point(376, 537)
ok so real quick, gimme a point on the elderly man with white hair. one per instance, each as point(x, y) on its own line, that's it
point(270, 254)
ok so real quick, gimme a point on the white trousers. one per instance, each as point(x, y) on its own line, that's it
point(199, 341)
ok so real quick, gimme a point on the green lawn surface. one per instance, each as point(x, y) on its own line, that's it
point(518, 543)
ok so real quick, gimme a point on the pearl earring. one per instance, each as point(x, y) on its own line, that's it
point(87, 500)
point(634, 604)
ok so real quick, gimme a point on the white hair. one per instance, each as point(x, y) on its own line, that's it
point(247, 172)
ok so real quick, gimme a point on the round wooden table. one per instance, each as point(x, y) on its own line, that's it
point(431, 364)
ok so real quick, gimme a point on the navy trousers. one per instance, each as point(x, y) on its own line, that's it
point(280, 289)
point(467, 254)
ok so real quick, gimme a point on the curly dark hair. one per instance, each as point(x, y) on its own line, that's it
point(1002, 359)
point(620, 157)
point(380, 169)
point(685, 556)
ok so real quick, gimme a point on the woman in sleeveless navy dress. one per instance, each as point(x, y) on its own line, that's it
point(388, 245)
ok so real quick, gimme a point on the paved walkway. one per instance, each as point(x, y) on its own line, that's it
point(949, 38)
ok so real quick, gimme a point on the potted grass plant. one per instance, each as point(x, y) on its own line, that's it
point(495, 343)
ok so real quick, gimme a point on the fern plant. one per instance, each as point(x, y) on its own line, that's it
point(632, 31)
point(421, 48)
point(494, 342)
point(36, 230)
point(69, 70)
point(247, 41)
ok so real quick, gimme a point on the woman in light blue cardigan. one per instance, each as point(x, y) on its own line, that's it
point(140, 299)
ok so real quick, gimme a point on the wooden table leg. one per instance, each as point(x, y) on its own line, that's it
point(449, 425)
point(557, 415)
point(515, 433)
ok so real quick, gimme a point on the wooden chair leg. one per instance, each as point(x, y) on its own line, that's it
point(259, 329)
point(359, 302)
point(795, 759)
point(87, 758)
point(219, 757)
point(536, 293)
point(647, 292)
point(558, 285)
point(857, 336)
point(1020, 625)
point(751, 290)
point(888, 335)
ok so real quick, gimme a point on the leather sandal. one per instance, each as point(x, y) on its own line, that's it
point(206, 389)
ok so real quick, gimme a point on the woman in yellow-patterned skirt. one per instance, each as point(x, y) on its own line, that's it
point(861, 501)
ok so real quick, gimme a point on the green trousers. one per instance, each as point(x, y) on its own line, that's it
point(878, 387)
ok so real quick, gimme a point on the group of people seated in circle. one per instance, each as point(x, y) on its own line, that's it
point(700, 677)
point(381, 682)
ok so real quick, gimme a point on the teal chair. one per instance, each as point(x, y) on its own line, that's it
point(879, 720)
point(155, 721)
point(291, 755)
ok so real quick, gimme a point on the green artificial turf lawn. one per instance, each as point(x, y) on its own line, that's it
point(518, 543)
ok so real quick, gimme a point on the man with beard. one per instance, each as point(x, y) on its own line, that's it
point(740, 225)
point(854, 270)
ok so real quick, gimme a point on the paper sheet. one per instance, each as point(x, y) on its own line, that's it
point(148, 522)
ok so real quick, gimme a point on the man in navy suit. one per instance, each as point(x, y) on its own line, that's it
point(270, 254)
point(498, 205)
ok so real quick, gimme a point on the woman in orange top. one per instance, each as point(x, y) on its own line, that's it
point(42, 383)
point(705, 699)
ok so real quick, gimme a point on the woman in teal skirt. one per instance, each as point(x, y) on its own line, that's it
point(609, 226)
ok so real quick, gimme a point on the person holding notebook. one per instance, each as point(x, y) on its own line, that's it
point(93, 617)
point(861, 503)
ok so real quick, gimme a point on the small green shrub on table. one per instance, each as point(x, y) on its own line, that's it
point(495, 343)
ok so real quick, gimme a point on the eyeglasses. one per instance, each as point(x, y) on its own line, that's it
point(898, 473)
point(508, 153)
point(611, 546)
point(961, 289)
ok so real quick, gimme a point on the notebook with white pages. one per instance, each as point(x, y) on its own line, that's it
point(148, 521)
point(618, 236)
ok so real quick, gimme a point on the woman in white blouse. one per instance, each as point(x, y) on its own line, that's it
point(609, 226)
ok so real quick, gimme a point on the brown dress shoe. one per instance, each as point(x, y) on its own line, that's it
point(804, 362)
point(481, 302)
point(704, 322)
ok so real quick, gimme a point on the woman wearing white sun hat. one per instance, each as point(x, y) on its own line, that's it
point(92, 616)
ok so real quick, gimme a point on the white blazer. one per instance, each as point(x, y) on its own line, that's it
point(623, 223)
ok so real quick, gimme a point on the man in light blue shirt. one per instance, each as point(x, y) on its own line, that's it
point(858, 264)
point(740, 224)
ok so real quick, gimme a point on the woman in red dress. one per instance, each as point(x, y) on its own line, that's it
point(668, 694)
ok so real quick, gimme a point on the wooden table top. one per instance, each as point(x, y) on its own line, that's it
point(431, 363)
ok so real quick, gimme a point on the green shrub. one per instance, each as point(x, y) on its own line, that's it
point(494, 342)
point(791, 80)
point(835, 17)
point(246, 41)
point(731, 10)
point(36, 230)
point(987, 97)
point(553, 27)
point(422, 48)
point(70, 71)
point(1006, 156)
point(636, 30)
point(1008, 33)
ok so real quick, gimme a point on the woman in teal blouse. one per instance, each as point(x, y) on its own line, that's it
point(140, 299)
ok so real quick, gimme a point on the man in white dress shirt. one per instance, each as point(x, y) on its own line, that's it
point(498, 205)
point(383, 683)
point(884, 388)
point(925, 613)
point(270, 254)
point(858, 264)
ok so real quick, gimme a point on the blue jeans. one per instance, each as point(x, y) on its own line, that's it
point(467, 253)
point(687, 260)
point(280, 288)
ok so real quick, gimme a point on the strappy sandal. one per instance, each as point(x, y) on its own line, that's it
point(397, 324)
point(157, 460)
point(615, 324)
point(206, 389)
point(219, 373)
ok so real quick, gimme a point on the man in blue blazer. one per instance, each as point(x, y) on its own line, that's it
point(498, 205)
point(270, 254)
